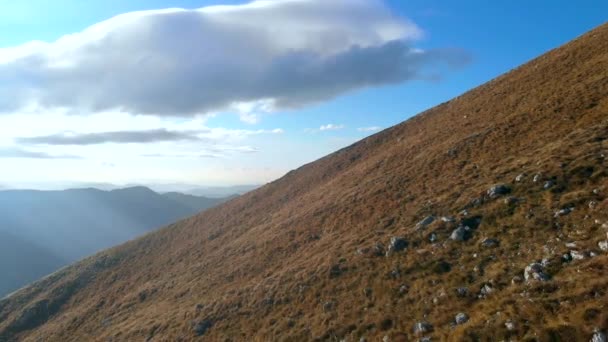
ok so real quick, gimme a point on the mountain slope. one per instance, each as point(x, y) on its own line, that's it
point(44, 230)
point(297, 260)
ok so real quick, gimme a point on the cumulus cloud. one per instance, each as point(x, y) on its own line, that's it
point(369, 129)
point(15, 152)
point(257, 57)
point(331, 127)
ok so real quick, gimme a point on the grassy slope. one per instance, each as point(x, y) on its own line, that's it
point(259, 266)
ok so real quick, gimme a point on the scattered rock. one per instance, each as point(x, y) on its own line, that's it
point(489, 242)
point(202, 327)
point(593, 204)
point(397, 244)
point(563, 212)
point(520, 177)
point(510, 325)
point(570, 244)
point(461, 318)
point(448, 219)
point(403, 289)
point(498, 190)
point(603, 245)
point(537, 178)
point(566, 257)
point(511, 200)
point(576, 255)
point(516, 280)
point(535, 271)
point(425, 222)
point(462, 292)
point(548, 185)
point(485, 291)
point(433, 238)
point(422, 328)
point(598, 336)
point(395, 274)
point(461, 234)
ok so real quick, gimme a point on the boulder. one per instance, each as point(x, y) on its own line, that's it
point(498, 190)
point(422, 328)
point(425, 222)
point(598, 336)
point(461, 234)
point(576, 255)
point(489, 242)
point(461, 318)
point(535, 271)
point(397, 244)
point(201, 328)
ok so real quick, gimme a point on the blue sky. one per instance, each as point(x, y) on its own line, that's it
point(496, 36)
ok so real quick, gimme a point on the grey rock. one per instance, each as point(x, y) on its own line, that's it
point(598, 336)
point(603, 245)
point(489, 242)
point(576, 255)
point(498, 190)
point(422, 328)
point(425, 222)
point(520, 177)
point(433, 238)
point(537, 178)
point(448, 219)
point(486, 290)
point(548, 185)
point(202, 327)
point(535, 271)
point(397, 244)
point(563, 212)
point(460, 234)
point(461, 318)
point(516, 280)
point(510, 325)
point(462, 292)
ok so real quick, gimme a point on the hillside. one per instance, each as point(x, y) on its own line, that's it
point(41, 231)
point(309, 256)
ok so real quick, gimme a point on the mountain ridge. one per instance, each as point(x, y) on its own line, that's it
point(55, 228)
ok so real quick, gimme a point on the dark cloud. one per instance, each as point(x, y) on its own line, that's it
point(186, 62)
point(149, 136)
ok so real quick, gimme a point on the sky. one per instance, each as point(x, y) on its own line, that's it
point(219, 93)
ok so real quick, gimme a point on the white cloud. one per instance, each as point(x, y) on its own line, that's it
point(369, 129)
point(252, 58)
point(331, 127)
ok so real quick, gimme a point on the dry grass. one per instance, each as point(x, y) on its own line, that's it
point(281, 263)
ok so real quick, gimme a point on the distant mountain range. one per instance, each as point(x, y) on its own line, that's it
point(41, 231)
